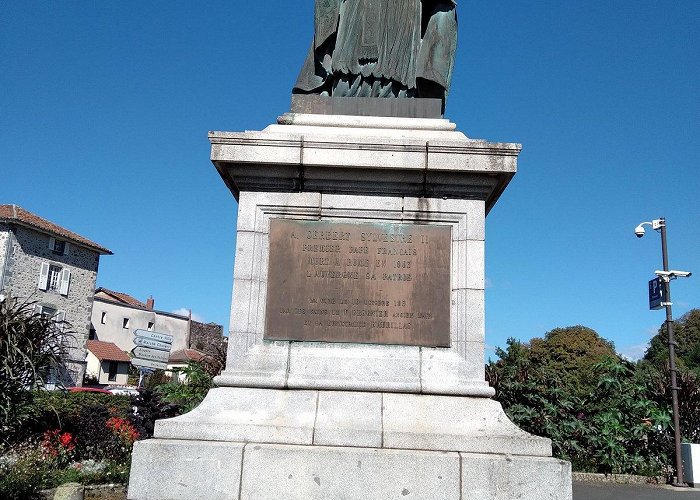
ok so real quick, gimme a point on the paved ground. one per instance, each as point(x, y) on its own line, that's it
point(607, 491)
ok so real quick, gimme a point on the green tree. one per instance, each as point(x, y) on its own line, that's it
point(572, 353)
point(608, 421)
point(686, 333)
point(629, 431)
point(536, 399)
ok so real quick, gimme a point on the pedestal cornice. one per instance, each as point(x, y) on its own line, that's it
point(347, 155)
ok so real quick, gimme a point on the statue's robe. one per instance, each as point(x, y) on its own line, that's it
point(381, 48)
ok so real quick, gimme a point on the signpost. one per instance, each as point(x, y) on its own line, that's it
point(153, 344)
point(144, 363)
point(656, 294)
point(160, 337)
point(151, 352)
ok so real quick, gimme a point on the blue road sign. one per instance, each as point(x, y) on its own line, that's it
point(656, 293)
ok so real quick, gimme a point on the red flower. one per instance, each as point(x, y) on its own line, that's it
point(66, 440)
point(124, 429)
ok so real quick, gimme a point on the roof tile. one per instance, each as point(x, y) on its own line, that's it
point(107, 351)
point(16, 214)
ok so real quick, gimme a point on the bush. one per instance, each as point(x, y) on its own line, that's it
point(48, 410)
point(620, 425)
point(31, 346)
point(192, 391)
point(149, 406)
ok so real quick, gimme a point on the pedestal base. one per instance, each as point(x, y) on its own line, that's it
point(287, 444)
point(188, 470)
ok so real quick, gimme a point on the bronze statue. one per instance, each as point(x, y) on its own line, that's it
point(381, 48)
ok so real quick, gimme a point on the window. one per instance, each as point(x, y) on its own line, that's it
point(48, 311)
point(57, 315)
point(113, 371)
point(150, 326)
point(54, 284)
point(58, 247)
point(54, 278)
point(125, 323)
point(103, 318)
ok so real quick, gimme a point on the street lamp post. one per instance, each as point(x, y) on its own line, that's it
point(666, 276)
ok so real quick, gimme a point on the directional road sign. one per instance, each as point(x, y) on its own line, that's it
point(145, 363)
point(151, 354)
point(656, 293)
point(160, 337)
point(153, 344)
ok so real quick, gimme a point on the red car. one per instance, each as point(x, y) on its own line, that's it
point(87, 389)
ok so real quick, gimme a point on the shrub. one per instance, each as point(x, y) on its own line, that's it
point(149, 406)
point(192, 391)
point(31, 346)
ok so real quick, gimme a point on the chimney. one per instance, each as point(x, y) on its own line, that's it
point(150, 303)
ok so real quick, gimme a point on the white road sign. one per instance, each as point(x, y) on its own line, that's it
point(160, 337)
point(153, 344)
point(151, 354)
point(145, 363)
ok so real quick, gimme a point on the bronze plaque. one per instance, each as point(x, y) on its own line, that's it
point(377, 283)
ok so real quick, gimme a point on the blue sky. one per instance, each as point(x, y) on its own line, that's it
point(105, 108)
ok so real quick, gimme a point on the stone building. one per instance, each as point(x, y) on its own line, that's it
point(55, 268)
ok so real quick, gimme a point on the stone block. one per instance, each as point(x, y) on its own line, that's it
point(468, 264)
point(474, 156)
point(310, 473)
point(237, 414)
point(475, 265)
point(349, 419)
point(246, 255)
point(240, 305)
point(256, 147)
point(185, 470)
point(467, 316)
point(451, 423)
point(444, 371)
point(499, 477)
point(473, 355)
point(251, 205)
point(265, 364)
point(70, 491)
point(349, 367)
point(361, 207)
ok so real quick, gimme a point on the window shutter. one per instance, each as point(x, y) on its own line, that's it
point(52, 244)
point(65, 281)
point(59, 319)
point(44, 276)
point(66, 248)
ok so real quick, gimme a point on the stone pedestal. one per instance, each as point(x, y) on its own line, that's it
point(304, 420)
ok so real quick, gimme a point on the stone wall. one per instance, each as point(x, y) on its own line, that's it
point(4, 242)
point(206, 337)
point(28, 250)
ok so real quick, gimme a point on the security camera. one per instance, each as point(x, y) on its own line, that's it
point(673, 274)
point(639, 231)
point(680, 274)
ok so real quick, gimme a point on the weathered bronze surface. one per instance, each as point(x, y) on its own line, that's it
point(365, 282)
point(381, 48)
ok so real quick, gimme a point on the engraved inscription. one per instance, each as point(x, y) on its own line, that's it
point(359, 282)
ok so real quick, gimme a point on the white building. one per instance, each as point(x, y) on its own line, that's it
point(116, 316)
point(106, 363)
point(56, 268)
